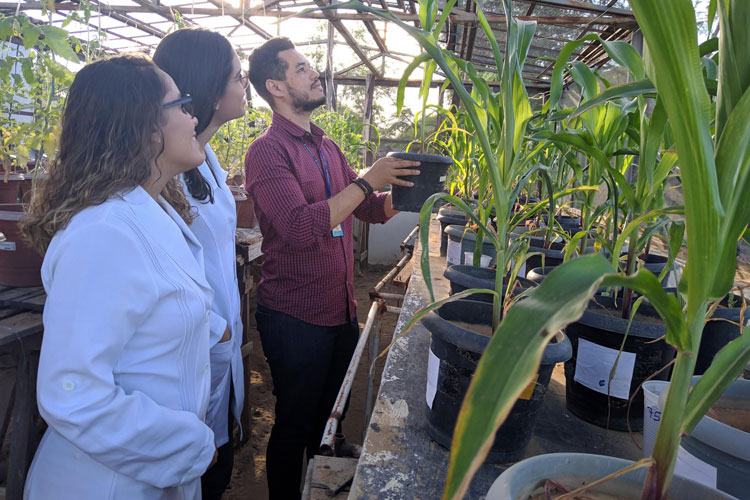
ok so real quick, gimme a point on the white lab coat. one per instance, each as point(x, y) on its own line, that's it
point(214, 227)
point(124, 370)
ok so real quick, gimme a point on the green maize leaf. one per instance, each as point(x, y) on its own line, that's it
point(585, 78)
point(491, 38)
point(665, 304)
point(652, 132)
point(512, 358)
point(444, 16)
point(674, 67)
point(621, 52)
point(733, 164)
point(632, 89)
point(400, 92)
point(734, 68)
point(711, 14)
point(709, 46)
point(725, 368)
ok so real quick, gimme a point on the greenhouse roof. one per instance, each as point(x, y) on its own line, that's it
point(138, 25)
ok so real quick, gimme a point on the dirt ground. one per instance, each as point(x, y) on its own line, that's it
point(249, 474)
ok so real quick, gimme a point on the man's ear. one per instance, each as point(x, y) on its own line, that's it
point(275, 88)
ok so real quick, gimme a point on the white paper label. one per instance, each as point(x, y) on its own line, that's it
point(442, 178)
point(9, 246)
point(433, 367)
point(594, 364)
point(691, 467)
point(484, 260)
point(453, 255)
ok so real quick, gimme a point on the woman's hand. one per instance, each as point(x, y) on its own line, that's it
point(226, 337)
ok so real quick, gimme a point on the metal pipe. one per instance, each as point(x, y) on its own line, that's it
point(386, 296)
point(393, 272)
point(329, 434)
point(406, 243)
point(372, 354)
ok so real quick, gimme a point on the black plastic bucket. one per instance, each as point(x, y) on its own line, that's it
point(453, 357)
point(718, 331)
point(462, 277)
point(430, 180)
point(538, 274)
point(602, 330)
point(449, 216)
point(466, 239)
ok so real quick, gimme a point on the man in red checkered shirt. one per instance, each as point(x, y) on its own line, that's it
point(305, 194)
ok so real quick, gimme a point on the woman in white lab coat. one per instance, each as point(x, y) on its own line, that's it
point(204, 65)
point(124, 370)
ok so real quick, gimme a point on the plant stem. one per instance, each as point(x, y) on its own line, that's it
point(668, 436)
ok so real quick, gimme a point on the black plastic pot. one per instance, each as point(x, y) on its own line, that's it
point(467, 239)
point(449, 216)
point(553, 256)
point(454, 353)
point(429, 181)
point(462, 277)
point(656, 264)
point(601, 324)
point(570, 225)
point(538, 274)
point(719, 330)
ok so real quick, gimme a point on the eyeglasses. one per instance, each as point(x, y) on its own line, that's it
point(185, 103)
point(244, 79)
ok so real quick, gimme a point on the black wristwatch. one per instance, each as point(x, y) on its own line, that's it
point(364, 186)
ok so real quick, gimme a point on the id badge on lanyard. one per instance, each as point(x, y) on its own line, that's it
point(337, 231)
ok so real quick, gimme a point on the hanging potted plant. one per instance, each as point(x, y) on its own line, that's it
point(32, 48)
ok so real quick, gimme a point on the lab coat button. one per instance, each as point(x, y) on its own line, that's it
point(68, 385)
point(208, 315)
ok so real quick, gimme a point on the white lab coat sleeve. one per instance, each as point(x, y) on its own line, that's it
point(217, 325)
point(101, 287)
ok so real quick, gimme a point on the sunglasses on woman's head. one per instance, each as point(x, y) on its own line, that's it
point(185, 103)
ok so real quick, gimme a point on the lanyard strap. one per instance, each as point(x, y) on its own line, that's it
point(323, 170)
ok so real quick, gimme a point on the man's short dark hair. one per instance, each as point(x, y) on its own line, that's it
point(265, 64)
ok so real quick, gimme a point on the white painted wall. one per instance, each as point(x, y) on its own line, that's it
point(385, 239)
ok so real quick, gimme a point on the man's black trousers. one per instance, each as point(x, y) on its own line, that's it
point(308, 364)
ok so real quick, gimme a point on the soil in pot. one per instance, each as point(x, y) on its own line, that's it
point(453, 357)
point(734, 412)
point(19, 264)
point(597, 338)
point(430, 180)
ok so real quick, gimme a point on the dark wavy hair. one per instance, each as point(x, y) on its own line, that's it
point(265, 64)
point(106, 145)
point(200, 63)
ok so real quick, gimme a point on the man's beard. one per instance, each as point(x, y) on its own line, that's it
point(301, 102)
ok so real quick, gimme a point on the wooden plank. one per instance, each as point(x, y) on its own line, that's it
point(402, 278)
point(246, 349)
point(20, 328)
point(330, 473)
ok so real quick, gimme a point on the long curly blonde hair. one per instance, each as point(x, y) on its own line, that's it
point(106, 145)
